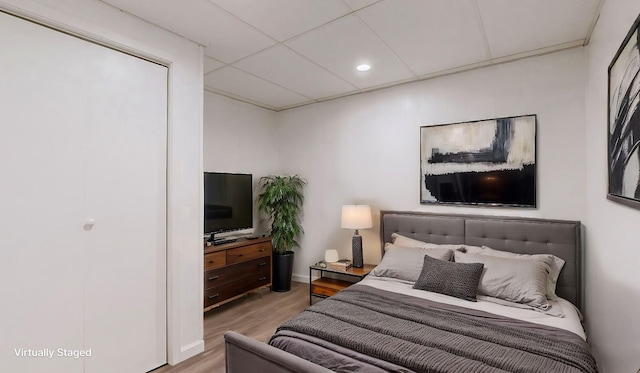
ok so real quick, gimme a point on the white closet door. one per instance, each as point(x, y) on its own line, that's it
point(82, 136)
point(125, 288)
point(41, 198)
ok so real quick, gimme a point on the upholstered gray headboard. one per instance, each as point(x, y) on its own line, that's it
point(519, 235)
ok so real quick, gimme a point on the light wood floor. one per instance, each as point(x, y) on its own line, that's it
point(256, 315)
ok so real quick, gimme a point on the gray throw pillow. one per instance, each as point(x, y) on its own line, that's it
point(515, 280)
point(405, 263)
point(458, 280)
point(555, 263)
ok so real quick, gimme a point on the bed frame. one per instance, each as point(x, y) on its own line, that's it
point(520, 235)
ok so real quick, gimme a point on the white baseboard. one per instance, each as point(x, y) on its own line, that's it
point(187, 351)
point(300, 278)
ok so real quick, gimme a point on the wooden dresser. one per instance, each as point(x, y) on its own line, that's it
point(233, 269)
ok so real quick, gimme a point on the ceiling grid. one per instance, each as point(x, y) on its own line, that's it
point(279, 54)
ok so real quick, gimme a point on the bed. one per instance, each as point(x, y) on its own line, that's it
point(405, 318)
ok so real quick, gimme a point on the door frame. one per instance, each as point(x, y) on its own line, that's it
point(184, 247)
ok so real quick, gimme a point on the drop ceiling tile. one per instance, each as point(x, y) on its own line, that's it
point(429, 36)
point(238, 83)
point(283, 19)
point(518, 26)
point(286, 68)
point(210, 64)
point(226, 37)
point(359, 4)
point(346, 43)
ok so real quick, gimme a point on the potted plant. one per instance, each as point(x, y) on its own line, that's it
point(281, 198)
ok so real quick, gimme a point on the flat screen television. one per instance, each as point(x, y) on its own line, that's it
point(228, 202)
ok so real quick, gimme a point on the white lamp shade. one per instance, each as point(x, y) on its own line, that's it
point(356, 217)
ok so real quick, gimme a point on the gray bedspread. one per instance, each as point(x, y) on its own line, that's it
point(366, 329)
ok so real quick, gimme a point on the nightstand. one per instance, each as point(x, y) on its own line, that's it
point(325, 287)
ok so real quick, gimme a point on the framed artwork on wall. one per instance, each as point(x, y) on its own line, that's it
point(623, 130)
point(487, 162)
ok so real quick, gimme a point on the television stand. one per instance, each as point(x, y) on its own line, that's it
point(235, 269)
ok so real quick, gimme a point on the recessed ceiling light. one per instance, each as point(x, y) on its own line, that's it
point(363, 67)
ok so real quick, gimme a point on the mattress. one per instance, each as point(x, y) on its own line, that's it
point(352, 332)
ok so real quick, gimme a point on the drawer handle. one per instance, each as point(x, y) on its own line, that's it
point(240, 254)
point(262, 264)
point(213, 296)
point(262, 278)
point(213, 278)
point(211, 261)
point(261, 250)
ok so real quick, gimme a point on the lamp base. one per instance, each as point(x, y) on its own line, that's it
point(356, 247)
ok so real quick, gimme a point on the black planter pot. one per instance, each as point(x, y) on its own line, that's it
point(282, 270)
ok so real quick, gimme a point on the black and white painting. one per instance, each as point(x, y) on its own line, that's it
point(487, 162)
point(624, 122)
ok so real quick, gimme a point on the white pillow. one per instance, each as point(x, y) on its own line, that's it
point(405, 263)
point(410, 242)
point(515, 280)
point(554, 273)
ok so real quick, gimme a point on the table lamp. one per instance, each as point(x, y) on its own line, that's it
point(356, 217)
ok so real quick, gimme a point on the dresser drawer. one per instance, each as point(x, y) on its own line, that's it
point(220, 276)
point(245, 253)
point(221, 293)
point(215, 260)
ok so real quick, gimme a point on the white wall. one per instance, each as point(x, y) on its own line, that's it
point(241, 138)
point(98, 21)
point(613, 254)
point(365, 149)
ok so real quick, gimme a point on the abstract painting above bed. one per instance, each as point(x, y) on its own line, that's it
point(487, 162)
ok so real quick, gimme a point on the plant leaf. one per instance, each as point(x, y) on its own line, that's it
point(281, 199)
